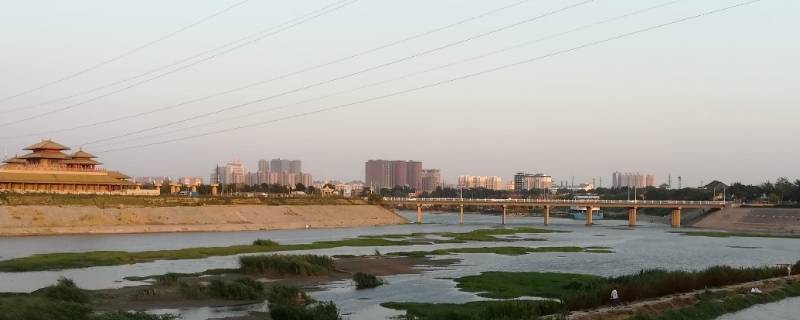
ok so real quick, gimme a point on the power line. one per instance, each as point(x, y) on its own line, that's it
point(317, 84)
point(408, 75)
point(439, 83)
point(126, 53)
point(324, 11)
point(280, 77)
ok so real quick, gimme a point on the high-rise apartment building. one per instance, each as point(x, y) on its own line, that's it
point(632, 179)
point(232, 173)
point(524, 181)
point(295, 166)
point(263, 166)
point(389, 174)
point(279, 165)
point(431, 179)
point(487, 182)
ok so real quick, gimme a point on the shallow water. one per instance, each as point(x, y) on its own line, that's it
point(645, 247)
point(788, 309)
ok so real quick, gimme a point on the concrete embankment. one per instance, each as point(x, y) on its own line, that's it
point(53, 220)
point(776, 220)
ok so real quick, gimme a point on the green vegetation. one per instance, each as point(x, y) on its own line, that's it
point(366, 281)
point(73, 260)
point(580, 292)
point(490, 234)
point(239, 289)
point(64, 290)
point(481, 310)
point(304, 265)
point(711, 307)
point(508, 251)
point(509, 285)
point(722, 234)
point(62, 301)
point(265, 243)
point(290, 303)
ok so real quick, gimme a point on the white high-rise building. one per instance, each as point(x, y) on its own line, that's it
point(632, 179)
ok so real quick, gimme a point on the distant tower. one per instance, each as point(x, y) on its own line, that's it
point(669, 181)
point(573, 182)
point(680, 182)
point(601, 182)
point(593, 183)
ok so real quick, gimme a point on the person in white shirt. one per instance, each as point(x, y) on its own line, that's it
point(614, 298)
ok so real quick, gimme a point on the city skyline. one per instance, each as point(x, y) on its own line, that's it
point(687, 67)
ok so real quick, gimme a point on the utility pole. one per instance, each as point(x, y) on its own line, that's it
point(680, 182)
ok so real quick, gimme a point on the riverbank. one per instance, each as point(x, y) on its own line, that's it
point(80, 219)
point(770, 220)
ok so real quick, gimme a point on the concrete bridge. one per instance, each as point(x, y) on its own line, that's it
point(631, 205)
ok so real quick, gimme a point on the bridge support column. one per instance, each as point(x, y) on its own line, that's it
point(676, 218)
point(546, 215)
point(632, 217)
point(503, 221)
point(589, 221)
point(419, 213)
point(461, 215)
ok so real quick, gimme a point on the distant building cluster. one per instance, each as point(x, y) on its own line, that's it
point(431, 180)
point(276, 171)
point(487, 182)
point(399, 173)
point(525, 181)
point(344, 189)
point(632, 179)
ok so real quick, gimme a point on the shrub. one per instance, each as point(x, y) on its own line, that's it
point(265, 243)
point(192, 290)
point(169, 279)
point(120, 315)
point(287, 296)
point(300, 265)
point(41, 308)
point(366, 281)
point(64, 290)
point(319, 311)
point(796, 268)
point(239, 289)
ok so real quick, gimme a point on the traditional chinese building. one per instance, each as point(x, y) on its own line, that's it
point(48, 169)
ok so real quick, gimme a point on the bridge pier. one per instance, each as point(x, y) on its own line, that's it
point(589, 221)
point(546, 215)
point(676, 218)
point(419, 213)
point(461, 215)
point(632, 217)
point(503, 221)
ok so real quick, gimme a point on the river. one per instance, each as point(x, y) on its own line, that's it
point(645, 247)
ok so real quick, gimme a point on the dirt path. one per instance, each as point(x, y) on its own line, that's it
point(670, 302)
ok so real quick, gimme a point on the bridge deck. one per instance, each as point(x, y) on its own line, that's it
point(557, 203)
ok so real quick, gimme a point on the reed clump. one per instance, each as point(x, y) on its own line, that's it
point(366, 281)
point(287, 302)
point(294, 265)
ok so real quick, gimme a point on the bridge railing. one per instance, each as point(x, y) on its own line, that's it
point(557, 201)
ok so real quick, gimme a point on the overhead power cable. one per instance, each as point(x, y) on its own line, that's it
point(439, 83)
point(280, 77)
point(317, 84)
point(402, 77)
point(124, 54)
point(335, 7)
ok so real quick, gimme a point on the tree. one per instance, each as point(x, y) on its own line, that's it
point(300, 187)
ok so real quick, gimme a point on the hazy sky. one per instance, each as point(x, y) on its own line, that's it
point(712, 98)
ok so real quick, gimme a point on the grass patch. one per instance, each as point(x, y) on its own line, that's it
point(291, 303)
point(712, 308)
point(722, 234)
point(580, 292)
point(239, 289)
point(304, 265)
point(64, 290)
point(75, 260)
point(366, 281)
point(480, 310)
point(508, 251)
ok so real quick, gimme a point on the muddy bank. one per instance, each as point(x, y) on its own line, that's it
point(774, 220)
point(59, 220)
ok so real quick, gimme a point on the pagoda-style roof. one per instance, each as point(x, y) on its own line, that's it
point(82, 155)
point(45, 155)
point(118, 175)
point(15, 160)
point(47, 145)
point(84, 161)
point(46, 177)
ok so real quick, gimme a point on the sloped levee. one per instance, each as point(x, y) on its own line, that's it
point(58, 220)
point(753, 219)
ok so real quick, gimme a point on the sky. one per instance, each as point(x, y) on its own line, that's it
point(709, 98)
